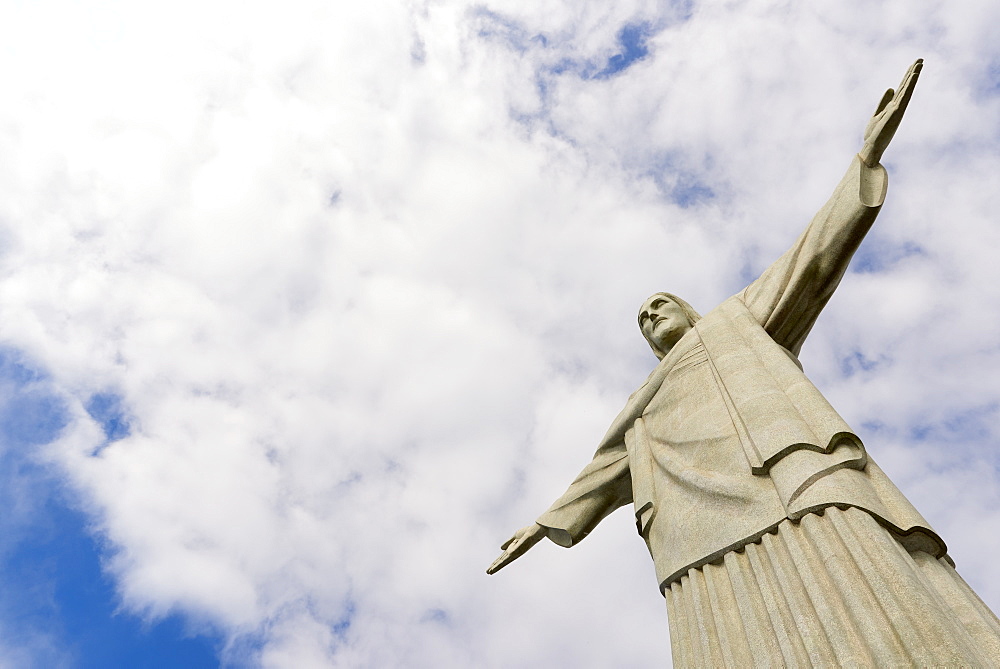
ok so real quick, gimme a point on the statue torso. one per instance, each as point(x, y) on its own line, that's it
point(736, 439)
point(687, 453)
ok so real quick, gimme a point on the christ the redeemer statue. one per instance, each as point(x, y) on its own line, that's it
point(777, 540)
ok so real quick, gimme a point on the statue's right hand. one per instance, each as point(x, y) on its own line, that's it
point(517, 545)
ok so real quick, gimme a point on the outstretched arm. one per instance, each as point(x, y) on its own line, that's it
point(603, 486)
point(789, 295)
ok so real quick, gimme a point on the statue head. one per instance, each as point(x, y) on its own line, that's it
point(663, 319)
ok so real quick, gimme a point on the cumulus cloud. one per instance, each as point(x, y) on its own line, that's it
point(339, 295)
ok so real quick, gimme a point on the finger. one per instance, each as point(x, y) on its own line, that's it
point(903, 98)
point(507, 543)
point(498, 564)
point(911, 81)
point(917, 64)
point(886, 98)
point(905, 92)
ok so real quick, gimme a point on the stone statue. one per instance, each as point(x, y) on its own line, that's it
point(776, 538)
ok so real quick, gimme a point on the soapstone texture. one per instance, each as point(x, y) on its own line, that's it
point(777, 540)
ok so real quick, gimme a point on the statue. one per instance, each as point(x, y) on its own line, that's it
point(776, 538)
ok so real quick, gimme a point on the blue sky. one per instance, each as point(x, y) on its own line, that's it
point(56, 599)
point(303, 310)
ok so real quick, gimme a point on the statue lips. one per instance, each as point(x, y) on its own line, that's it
point(665, 324)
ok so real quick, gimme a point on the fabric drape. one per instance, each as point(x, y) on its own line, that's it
point(832, 590)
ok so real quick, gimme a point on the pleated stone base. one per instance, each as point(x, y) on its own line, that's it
point(832, 590)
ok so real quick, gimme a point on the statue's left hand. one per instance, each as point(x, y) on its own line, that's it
point(517, 545)
point(888, 114)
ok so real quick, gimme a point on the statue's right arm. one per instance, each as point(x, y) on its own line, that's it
point(604, 485)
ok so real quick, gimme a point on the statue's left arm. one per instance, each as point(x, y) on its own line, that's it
point(789, 295)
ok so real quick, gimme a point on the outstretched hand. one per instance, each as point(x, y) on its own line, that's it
point(517, 545)
point(888, 114)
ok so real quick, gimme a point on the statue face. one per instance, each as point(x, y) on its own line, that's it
point(662, 322)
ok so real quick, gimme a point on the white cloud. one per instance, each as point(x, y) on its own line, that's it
point(366, 276)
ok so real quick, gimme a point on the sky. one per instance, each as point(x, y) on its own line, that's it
point(305, 308)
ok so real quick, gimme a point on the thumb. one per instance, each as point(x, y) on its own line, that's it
point(886, 98)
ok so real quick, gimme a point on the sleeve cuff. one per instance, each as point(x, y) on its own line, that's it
point(873, 184)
